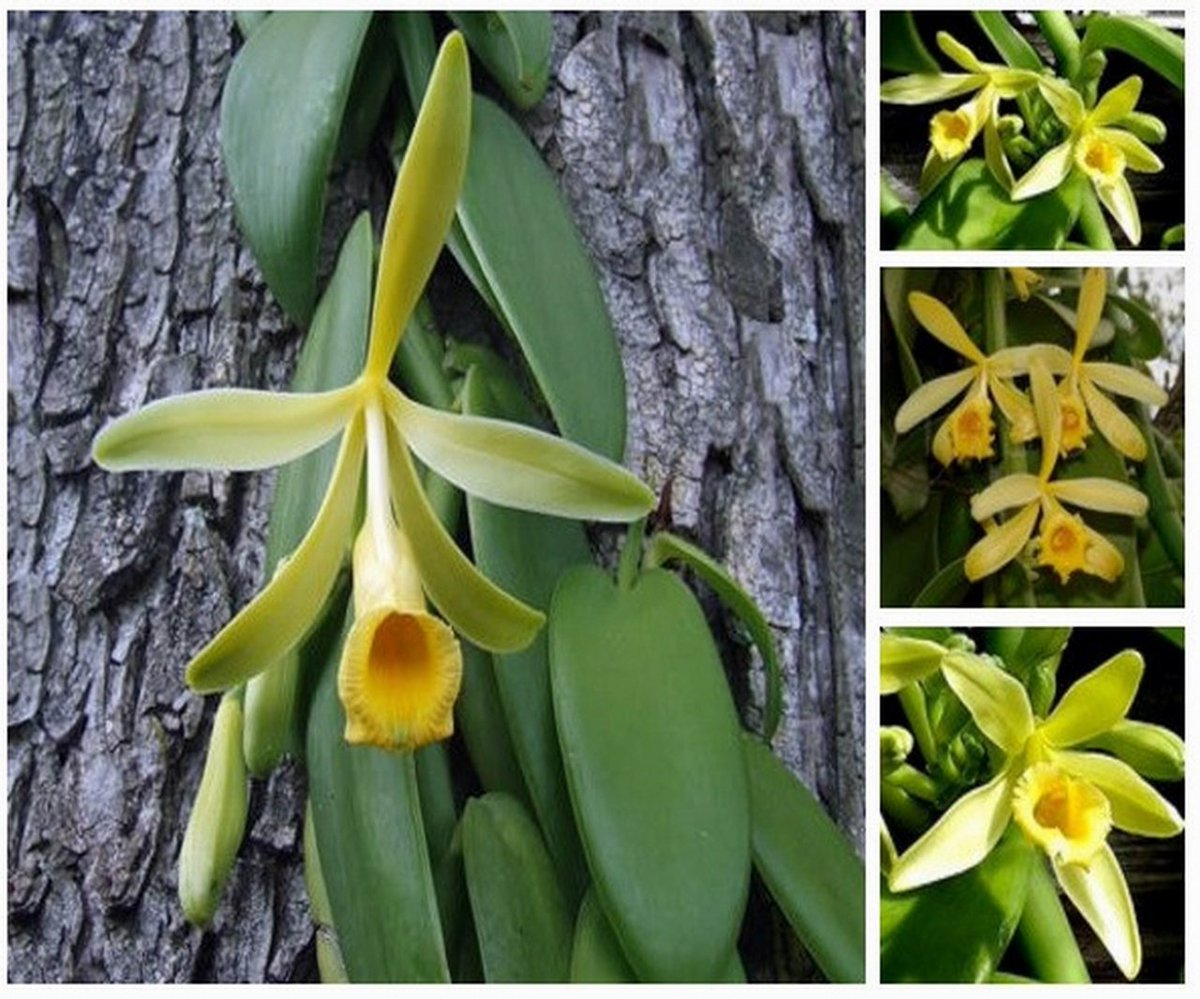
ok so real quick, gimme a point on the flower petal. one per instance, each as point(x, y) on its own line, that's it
point(958, 53)
point(1016, 407)
point(996, 700)
point(1118, 102)
point(993, 154)
point(935, 170)
point(1092, 292)
point(1046, 174)
point(904, 660)
point(943, 442)
point(1136, 806)
point(275, 620)
point(926, 88)
point(1017, 489)
point(475, 606)
point(1138, 156)
point(1048, 407)
point(1117, 428)
point(1001, 545)
point(927, 399)
point(1100, 894)
point(1095, 702)
point(516, 466)
point(234, 429)
point(1101, 495)
point(1008, 362)
point(1102, 557)
point(1122, 380)
point(940, 321)
point(423, 200)
point(959, 840)
point(1118, 198)
point(1064, 101)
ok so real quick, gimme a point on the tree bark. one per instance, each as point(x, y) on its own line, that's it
point(714, 165)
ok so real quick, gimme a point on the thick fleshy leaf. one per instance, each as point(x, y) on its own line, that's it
point(649, 830)
point(1117, 102)
point(1117, 196)
point(1046, 174)
point(904, 660)
point(1101, 895)
point(1153, 45)
point(1101, 495)
point(479, 718)
point(423, 200)
point(522, 921)
point(275, 620)
point(997, 701)
point(1117, 428)
point(514, 46)
point(1136, 807)
point(470, 602)
point(596, 954)
point(960, 839)
point(1123, 380)
point(942, 323)
point(1017, 489)
point(931, 397)
point(1000, 545)
point(807, 863)
point(1095, 702)
point(519, 467)
point(926, 88)
point(235, 429)
point(280, 118)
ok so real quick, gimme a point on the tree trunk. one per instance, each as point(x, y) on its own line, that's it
point(714, 165)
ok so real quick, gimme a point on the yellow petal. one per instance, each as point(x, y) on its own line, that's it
point(1049, 414)
point(1065, 815)
point(904, 660)
point(423, 200)
point(1136, 807)
point(996, 700)
point(959, 840)
point(1101, 161)
point(940, 321)
point(1118, 198)
point(1001, 545)
point(282, 613)
point(1046, 174)
point(1117, 103)
point(1099, 892)
point(1138, 156)
point(1125, 381)
point(1095, 702)
point(1017, 409)
point(234, 429)
point(1017, 489)
point(927, 88)
point(943, 446)
point(993, 153)
point(958, 53)
point(1092, 292)
point(1102, 557)
point(927, 399)
point(1063, 99)
point(1024, 281)
point(1116, 428)
point(1101, 495)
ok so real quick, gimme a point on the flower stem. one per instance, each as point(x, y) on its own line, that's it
point(631, 555)
point(1092, 223)
point(919, 785)
point(1059, 33)
point(902, 810)
point(912, 700)
point(1044, 935)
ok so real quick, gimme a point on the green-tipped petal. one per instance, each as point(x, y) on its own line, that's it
point(959, 840)
point(904, 660)
point(423, 200)
point(1117, 103)
point(1092, 292)
point(926, 88)
point(1101, 495)
point(516, 466)
point(1125, 381)
point(1136, 807)
point(475, 606)
point(1117, 196)
point(235, 429)
point(927, 399)
point(288, 606)
point(1100, 894)
point(1001, 545)
point(1017, 489)
point(958, 53)
point(1116, 428)
point(940, 321)
point(1064, 101)
point(996, 700)
point(1046, 174)
point(1095, 702)
point(1138, 156)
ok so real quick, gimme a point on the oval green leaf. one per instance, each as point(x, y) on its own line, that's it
point(480, 719)
point(596, 954)
point(515, 48)
point(650, 740)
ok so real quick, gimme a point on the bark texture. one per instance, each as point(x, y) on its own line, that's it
point(714, 165)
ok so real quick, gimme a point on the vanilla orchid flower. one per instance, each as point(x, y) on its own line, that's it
point(968, 431)
point(952, 133)
point(1095, 146)
point(1064, 800)
point(400, 669)
point(1080, 389)
point(1065, 543)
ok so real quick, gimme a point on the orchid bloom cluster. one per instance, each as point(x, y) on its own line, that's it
point(1097, 141)
point(1064, 799)
point(401, 666)
point(1058, 415)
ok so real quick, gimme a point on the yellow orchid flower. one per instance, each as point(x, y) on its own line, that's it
point(952, 133)
point(1095, 146)
point(1063, 799)
point(968, 431)
point(400, 669)
point(1065, 543)
point(1080, 389)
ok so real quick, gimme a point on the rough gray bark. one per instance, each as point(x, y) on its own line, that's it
point(714, 163)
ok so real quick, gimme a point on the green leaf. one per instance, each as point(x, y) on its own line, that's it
point(481, 721)
point(1009, 42)
point(596, 954)
point(371, 841)
point(521, 918)
point(1142, 334)
point(650, 742)
point(970, 211)
point(900, 47)
point(515, 48)
point(280, 118)
point(956, 930)
point(1154, 46)
point(809, 866)
point(249, 21)
point(373, 78)
point(527, 553)
point(437, 799)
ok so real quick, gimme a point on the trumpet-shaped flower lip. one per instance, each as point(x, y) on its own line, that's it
point(1098, 890)
point(972, 429)
point(1065, 815)
point(1075, 428)
point(1063, 543)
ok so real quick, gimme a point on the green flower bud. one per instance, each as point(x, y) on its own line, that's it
point(270, 699)
point(895, 743)
point(1147, 127)
point(1152, 750)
